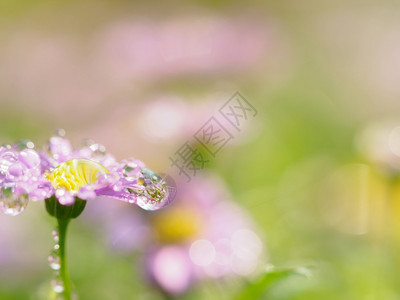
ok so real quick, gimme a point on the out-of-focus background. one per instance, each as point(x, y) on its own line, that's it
point(310, 181)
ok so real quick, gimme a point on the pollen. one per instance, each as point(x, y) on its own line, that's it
point(75, 174)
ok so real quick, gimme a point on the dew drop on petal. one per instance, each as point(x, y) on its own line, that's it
point(9, 156)
point(144, 203)
point(155, 193)
point(16, 169)
point(29, 158)
point(6, 146)
point(130, 171)
point(127, 169)
point(12, 204)
point(25, 144)
point(98, 149)
point(60, 147)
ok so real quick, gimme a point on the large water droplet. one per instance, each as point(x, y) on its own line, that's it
point(12, 204)
point(16, 169)
point(29, 158)
point(149, 176)
point(146, 203)
point(7, 158)
point(155, 194)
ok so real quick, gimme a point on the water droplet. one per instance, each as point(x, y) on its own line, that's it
point(150, 176)
point(16, 169)
point(144, 202)
point(88, 142)
point(130, 171)
point(126, 170)
point(155, 194)
point(58, 285)
point(25, 144)
point(56, 236)
point(98, 148)
point(9, 156)
point(54, 260)
point(29, 158)
point(7, 146)
point(171, 187)
point(130, 178)
point(12, 204)
point(60, 132)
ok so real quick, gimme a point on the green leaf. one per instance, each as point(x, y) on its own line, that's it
point(255, 290)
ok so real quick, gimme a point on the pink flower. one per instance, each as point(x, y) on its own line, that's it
point(143, 50)
point(203, 234)
point(65, 173)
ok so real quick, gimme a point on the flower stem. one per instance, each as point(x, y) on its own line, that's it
point(62, 229)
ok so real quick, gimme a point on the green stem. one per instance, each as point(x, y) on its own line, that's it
point(62, 231)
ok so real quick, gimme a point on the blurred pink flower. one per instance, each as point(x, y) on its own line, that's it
point(171, 268)
point(197, 45)
point(203, 234)
point(39, 68)
point(62, 72)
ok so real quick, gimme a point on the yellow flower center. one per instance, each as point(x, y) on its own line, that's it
point(176, 225)
point(75, 173)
